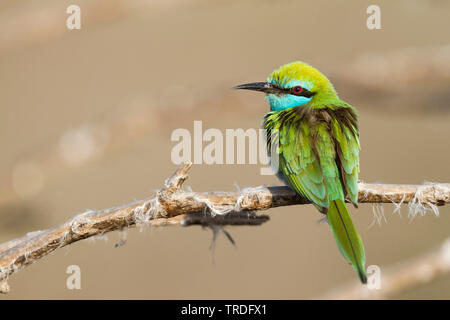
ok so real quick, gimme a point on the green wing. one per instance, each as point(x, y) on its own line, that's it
point(345, 133)
point(297, 163)
point(317, 153)
point(318, 158)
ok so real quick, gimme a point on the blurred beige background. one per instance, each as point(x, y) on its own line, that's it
point(86, 117)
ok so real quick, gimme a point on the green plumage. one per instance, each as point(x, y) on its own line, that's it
point(347, 238)
point(318, 158)
point(317, 148)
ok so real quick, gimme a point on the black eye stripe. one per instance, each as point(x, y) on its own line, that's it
point(307, 93)
point(304, 93)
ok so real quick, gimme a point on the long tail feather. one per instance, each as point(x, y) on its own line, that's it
point(347, 238)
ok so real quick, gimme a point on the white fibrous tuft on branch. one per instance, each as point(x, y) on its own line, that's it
point(174, 206)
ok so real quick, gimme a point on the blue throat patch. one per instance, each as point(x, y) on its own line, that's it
point(287, 101)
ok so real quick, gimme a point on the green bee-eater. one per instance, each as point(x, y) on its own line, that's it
point(318, 147)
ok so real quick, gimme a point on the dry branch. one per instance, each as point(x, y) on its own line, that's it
point(400, 278)
point(174, 206)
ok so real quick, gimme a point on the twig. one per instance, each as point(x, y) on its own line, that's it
point(400, 278)
point(172, 206)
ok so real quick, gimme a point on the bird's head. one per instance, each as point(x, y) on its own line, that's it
point(293, 85)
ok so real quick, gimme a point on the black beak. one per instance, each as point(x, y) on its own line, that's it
point(258, 86)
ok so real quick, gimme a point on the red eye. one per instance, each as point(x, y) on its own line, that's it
point(297, 89)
